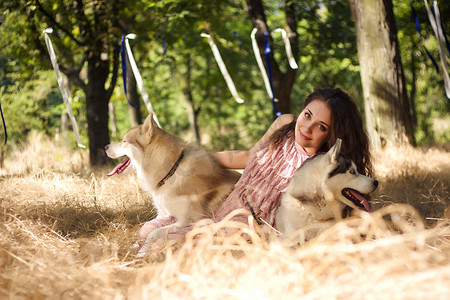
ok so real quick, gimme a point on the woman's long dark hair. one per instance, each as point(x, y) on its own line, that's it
point(346, 124)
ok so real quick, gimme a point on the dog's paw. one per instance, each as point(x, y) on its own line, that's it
point(134, 248)
point(141, 253)
point(145, 248)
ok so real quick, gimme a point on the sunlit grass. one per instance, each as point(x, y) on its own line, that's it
point(65, 233)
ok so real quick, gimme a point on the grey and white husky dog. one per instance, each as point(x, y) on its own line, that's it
point(319, 191)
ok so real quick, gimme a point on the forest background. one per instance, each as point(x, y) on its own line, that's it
point(186, 77)
point(66, 228)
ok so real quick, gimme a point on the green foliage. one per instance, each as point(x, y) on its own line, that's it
point(328, 50)
point(33, 105)
point(424, 85)
point(328, 57)
point(221, 119)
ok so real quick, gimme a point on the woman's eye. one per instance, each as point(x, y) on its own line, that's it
point(307, 115)
point(322, 128)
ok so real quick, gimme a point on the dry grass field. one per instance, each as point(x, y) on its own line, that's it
point(65, 233)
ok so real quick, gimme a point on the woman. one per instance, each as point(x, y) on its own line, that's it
point(268, 166)
point(328, 114)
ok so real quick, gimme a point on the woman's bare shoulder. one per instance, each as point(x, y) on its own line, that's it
point(287, 118)
point(277, 124)
point(283, 120)
point(280, 122)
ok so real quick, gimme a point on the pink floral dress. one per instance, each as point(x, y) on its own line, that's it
point(264, 180)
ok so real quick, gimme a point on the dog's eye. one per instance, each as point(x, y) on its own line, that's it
point(352, 172)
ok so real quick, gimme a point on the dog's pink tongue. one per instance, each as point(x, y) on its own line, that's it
point(120, 167)
point(361, 199)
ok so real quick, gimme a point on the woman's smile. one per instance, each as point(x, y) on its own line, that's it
point(303, 136)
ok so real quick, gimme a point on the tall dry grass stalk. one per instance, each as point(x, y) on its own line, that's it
point(66, 231)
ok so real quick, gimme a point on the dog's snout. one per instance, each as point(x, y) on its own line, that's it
point(375, 183)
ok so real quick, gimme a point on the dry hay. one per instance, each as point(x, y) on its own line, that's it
point(419, 177)
point(345, 262)
point(65, 233)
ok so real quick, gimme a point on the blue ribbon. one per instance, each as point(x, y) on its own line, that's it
point(447, 42)
point(124, 64)
point(4, 124)
point(242, 43)
point(416, 22)
point(269, 71)
point(242, 46)
point(163, 41)
point(158, 36)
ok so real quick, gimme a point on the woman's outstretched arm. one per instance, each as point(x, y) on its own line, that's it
point(237, 159)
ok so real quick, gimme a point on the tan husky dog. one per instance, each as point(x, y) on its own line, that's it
point(183, 180)
point(319, 191)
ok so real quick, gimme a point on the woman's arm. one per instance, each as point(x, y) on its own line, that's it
point(237, 159)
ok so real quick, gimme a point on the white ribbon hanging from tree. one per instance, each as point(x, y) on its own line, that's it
point(138, 77)
point(62, 88)
point(287, 46)
point(260, 63)
point(223, 68)
point(435, 21)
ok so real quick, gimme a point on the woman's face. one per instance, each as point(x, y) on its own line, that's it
point(312, 129)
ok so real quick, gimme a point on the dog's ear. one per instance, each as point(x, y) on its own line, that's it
point(335, 150)
point(149, 123)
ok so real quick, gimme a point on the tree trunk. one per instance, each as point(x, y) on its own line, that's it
point(412, 94)
point(97, 38)
point(386, 102)
point(112, 117)
point(282, 82)
point(188, 99)
point(2, 157)
point(97, 100)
